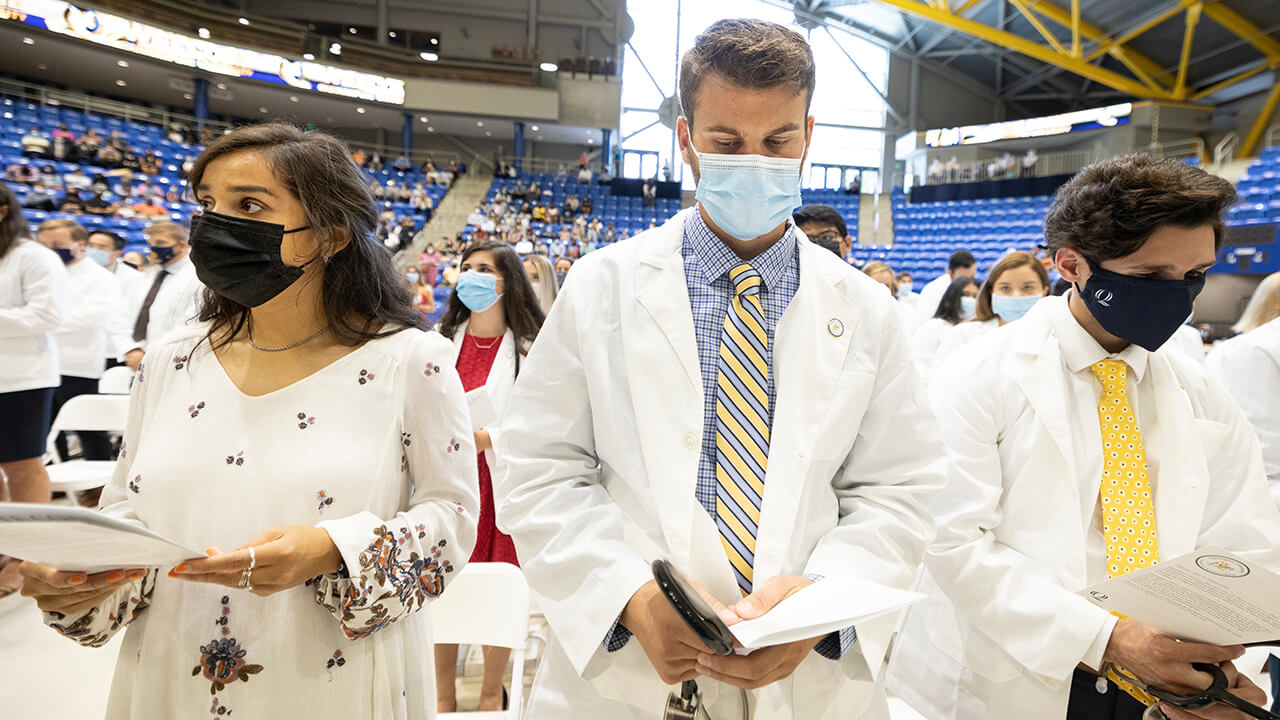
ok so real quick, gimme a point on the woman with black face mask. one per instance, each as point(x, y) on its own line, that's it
point(311, 424)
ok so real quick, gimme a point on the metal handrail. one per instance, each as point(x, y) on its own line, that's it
point(1272, 138)
point(1059, 163)
point(99, 105)
point(1225, 150)
point(552, 165)
point(1190, 147)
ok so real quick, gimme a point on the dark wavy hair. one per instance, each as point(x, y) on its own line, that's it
point(949, 307)
point(1111, 208)
point(364, 294)
point(14, 227)
point(521, 308)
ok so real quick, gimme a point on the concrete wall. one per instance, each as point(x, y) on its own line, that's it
point(483, 99)
point(432, 142)
point(590, 103)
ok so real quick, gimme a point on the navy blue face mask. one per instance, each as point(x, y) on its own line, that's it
point(1138, 310)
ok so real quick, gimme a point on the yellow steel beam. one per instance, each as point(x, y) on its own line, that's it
point(1075, 29)
point(1122, 54)
point(1192, 17)
point(1031, 49)
point(1107, 45)
point(966, 6)
point(1228, 83)
point(1245, 30)
point(1039, 26)
point(1255, 134)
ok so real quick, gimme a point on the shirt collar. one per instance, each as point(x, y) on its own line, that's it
point(716, 259)
point(178, 266)
point(1081, 351)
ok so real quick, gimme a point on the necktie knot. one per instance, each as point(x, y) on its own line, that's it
point(745, 279)
point(1112, 374)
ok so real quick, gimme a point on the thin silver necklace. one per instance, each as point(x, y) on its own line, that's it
point(304, 341)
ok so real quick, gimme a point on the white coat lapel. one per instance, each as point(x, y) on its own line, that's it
point(810, 345)
point(1044, 384)
point(1175, 461)
point(665, 381)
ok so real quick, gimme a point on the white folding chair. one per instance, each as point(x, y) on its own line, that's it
point(487, 604)
point(103, 413)
point(116, 381)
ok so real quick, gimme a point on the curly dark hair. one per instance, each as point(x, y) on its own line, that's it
point(1111, 208)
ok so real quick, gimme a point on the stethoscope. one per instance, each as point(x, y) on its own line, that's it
point(688, 704)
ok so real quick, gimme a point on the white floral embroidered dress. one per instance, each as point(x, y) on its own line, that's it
point(376, 448)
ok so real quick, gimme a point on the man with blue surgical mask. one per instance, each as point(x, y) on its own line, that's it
point(722, 393)
point(1082, 447)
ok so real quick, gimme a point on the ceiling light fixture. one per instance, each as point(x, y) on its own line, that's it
point(391, 34)
point(360, 110)
point(121, 83)
point(428, 56)
point(203, 33)
point(262, 110)
point(308, 56)
point(435, 41)
point(431, 129)
point(122, 63)
point(479, 123)
point(488, 133)
point(28, 41)
point(243, 21)
point(424, 119)
point(590, 141)
point(533, 128)
point(42, 66)
point(186, 96)
point(335, 48)
point(549, 67)
point(293, 98)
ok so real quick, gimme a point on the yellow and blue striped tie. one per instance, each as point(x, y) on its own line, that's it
point(742, 423)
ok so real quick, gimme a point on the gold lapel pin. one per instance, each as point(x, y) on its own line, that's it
point(835, 327)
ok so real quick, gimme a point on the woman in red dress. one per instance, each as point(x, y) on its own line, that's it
point(493, 318)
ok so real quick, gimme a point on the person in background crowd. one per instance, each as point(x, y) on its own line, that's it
point(584, 174)
point(87, 145)
point(149, 164)
point(359, 157)
point(855, 185)
point(610, 235)
point(307, 421)
point(35, 144)
point(49, 176)
point(543, 278)
point(961, 264)
point(148, 207)
point(493, 317)
point(904, 283)
point(823, 225)
point(21, 172)
point(71, 202)
point(1263, 307)
point(41, 197)
point(959, 303)
point(883, 274)
point(1016, 284)
point(137, 259)
point(562, 267)
point(429, 261)
point(96, 204)
point(33, 298)
point(63, 142)
point(167, 295)
point(106, 249)
point(1064, 428)
point(76, 180)
point(424, 300)
point(650, 193)
point(91, 316)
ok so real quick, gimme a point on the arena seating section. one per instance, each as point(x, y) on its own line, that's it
point(1259, 192)
point(19, 116)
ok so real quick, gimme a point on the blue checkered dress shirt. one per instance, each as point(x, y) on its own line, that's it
point(707, 262)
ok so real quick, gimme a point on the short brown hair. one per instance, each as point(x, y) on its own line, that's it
point(168, 228)
point(752, 53)
point(1009, 262)
point(78, 233)
point(1111, 208)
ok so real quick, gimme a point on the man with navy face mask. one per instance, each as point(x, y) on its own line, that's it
point(1081, 448)
point(722, 393)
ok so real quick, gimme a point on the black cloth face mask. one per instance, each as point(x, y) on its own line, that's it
point(240, 259)
point(1144, 312)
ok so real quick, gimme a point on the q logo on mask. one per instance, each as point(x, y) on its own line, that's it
point(1104, 297)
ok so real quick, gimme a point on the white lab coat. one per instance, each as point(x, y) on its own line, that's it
point(1249, 367)
point(1188, 341)
point(959, 335)
point(601, 444)
point(91, 325)
point(501, 379)
point(931, 294)
point(1003, 628)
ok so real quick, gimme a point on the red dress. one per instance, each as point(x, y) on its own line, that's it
point(474, 363)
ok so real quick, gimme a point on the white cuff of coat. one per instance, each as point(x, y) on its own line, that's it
point(1093, 656)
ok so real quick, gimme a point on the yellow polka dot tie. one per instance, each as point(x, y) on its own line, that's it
point(1128, 514)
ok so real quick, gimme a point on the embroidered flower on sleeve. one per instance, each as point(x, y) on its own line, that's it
point(431, 369)
point(304, 421)
point(365, 376)
point(453, 445)
point(237, 459)
point(179, 361)
point(135, 484)
point(324, 500)
point(195, 409)
point(406, 438)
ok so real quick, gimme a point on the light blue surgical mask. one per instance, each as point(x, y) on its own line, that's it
point(478, 291)
point(1012, 308)
point(412, 278)
point(968, 307)
point(747, 195)
point(102, 257)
